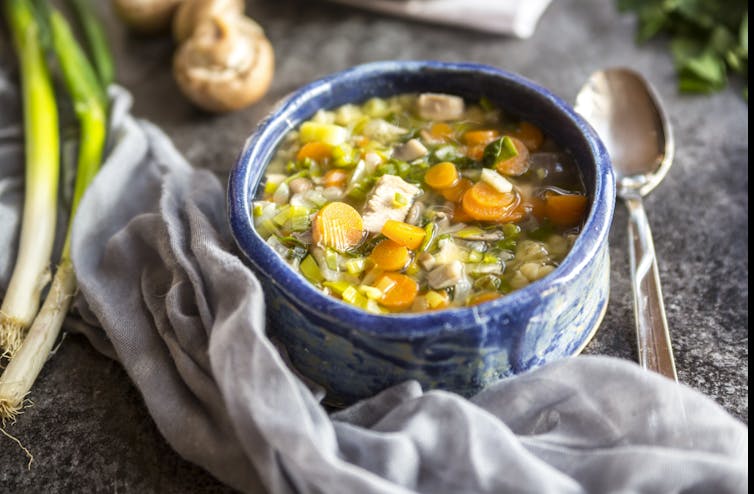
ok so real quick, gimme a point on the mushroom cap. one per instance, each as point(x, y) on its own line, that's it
point(227, 64)
point(191, 12)
point(146, 16)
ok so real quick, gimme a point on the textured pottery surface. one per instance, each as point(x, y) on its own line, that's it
point(354, 354)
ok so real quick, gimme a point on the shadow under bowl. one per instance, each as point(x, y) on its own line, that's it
point(355, 354)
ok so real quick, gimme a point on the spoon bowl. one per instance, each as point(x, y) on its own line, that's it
point(627, 114)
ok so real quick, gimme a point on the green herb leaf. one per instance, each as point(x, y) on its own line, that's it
point(499, 150)
point(708, 38)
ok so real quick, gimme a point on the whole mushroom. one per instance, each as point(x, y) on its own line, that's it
point(226, 63)
point(146, 16)
point(191, 13)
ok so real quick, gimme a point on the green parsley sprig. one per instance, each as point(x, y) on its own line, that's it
point(709, 39)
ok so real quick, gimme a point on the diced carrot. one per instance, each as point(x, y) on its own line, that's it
point(389, 255)
point(485, 203)
point(404, 234)
point(361, 141)
point(399, 291)
point(530, 135)
point(442, 175)
point(337, 225)
point(455, 193)
point(336, 177)
point(483, 297)
point(480, 137)
point(515, 165)
point(565, 210)
point(318, 151)
point(475, 152)
point(441, 130)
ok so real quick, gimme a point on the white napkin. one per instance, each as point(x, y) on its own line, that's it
point(513, 17)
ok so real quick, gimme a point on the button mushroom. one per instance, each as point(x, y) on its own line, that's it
point(146, 16)
point(191, 13)
point(226, 64)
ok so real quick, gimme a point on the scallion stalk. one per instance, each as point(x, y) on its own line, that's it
point(31, 272)
point(90, 106)
point(97, 41)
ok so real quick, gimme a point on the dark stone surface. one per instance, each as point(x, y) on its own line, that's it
point(89, 430)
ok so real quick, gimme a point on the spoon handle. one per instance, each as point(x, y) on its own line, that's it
point(653, 337)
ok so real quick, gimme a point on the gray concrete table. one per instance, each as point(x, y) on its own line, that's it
point(89, 430)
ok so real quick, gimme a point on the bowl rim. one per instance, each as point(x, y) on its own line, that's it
point(407, 325)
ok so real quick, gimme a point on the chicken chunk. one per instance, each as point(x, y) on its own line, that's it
point(445, 275)
point(434, 106)
point(381, 205)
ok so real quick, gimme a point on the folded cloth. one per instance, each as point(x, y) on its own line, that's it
point(513, 17)
point(165, 292)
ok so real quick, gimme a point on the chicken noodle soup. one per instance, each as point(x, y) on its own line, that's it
point(420, 202)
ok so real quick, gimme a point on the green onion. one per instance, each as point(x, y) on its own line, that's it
point(89, 103)
point(97, 41)
point(429, 236)
point(31, 271)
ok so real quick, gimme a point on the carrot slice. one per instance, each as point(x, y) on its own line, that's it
point(480, 137)
point(399, 291)
point(389, 255)
point(335, 178)
point(485, 203)
point(565, 210)
point(455, 193)
point(318, 151)
point(460, 215)
point(483, 297)
point(515, 165)
point(530, 135)
point(404, 234)
point(441, 130)
point(337, 225)
point(475, 152)
point(441, 175)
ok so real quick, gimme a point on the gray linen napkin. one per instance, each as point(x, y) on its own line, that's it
point(163, 290)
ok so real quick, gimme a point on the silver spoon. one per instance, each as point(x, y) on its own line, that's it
point(626, 113)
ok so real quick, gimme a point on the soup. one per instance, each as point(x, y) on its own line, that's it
point(420, 202)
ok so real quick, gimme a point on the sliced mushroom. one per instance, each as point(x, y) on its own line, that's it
point(415, 213)
point(146, 16)
point(191, 13)
point(226, 64)
point(410, 150)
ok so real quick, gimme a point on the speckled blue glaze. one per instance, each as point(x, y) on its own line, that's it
point(354, 354)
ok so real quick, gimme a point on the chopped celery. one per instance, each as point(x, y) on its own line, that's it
point(371, 292)
point(282, 217)
point(331, 259)
point(436, 299)
point(475, 256)
point(490, 258)
point(345, 156)
point(331, 134)
point(310, 269)
point(338, 287)
point(376, 107)
point(353, 297)
point(355, 265)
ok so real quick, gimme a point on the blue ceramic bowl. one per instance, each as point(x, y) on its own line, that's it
point(354, 354)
